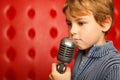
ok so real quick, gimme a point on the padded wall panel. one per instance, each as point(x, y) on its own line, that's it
point(30, 32)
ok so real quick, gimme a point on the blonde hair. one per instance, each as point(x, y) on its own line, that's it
point(99, 8)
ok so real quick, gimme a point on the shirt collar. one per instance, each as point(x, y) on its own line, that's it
point(101, 50)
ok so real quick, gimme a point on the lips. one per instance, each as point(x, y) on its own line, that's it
point(75, 40)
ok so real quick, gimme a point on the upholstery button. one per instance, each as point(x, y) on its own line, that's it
point(54, 52)
point(11, 53)
point(11, 32)
point(53, 13)
point(11, 13)
point(31, 75)
point(31, 13)
point(31, 53)
point(53, 32)
point(10, 75)
point(31, 33)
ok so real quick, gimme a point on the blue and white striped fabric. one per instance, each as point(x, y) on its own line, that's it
point(102, 63)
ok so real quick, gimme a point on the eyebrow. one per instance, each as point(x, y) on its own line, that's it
point(77, 19)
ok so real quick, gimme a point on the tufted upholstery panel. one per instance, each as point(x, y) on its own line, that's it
point(30, 32)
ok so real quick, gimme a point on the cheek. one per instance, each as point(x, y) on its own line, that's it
point(91, 34)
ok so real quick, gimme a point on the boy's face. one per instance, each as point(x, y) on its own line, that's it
point(84, 30)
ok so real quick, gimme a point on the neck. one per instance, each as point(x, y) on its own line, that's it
point(87, 50)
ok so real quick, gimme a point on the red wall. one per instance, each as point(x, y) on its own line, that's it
point(30, 32)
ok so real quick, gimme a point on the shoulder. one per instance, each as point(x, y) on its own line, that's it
point(110, 67)
point(112, 62)
point(112, 71)
point(109, 61)
point(113, 58)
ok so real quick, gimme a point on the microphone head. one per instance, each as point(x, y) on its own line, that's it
point(66, 50)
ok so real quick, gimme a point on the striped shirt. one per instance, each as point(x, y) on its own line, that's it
point(102, 63)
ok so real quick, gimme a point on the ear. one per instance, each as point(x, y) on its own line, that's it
point(107, 23)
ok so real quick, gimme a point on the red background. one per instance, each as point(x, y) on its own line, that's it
point(30, 32)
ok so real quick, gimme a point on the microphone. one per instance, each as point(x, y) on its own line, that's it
point(65, 53)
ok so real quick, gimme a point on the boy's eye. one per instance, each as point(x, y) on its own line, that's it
point(69, 24)
point(81, 23)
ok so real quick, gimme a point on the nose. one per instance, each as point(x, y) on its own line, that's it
point(73, 30)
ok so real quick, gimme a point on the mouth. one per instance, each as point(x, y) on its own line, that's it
point(75, 40)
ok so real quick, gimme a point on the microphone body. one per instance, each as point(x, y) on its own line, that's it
point(65, 53)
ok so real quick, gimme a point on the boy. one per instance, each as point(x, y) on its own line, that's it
point(97, 59)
